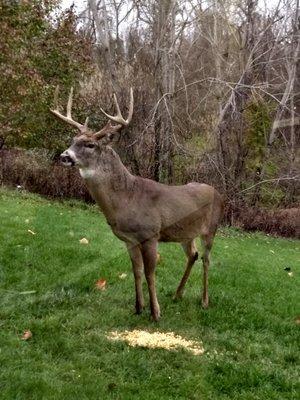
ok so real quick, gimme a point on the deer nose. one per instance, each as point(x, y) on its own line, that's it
point(66, 159)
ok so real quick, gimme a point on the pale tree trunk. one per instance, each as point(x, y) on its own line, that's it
point(288, 103)
point(164, 37)
point(293, 60)
point(230, 125)
point(103, 37)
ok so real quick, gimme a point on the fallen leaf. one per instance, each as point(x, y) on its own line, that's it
point(28, 292)
point(101, 284)
point(122, 276)
point(297, 320)
point(26, 335)
point(30, 231)
point(84, 241)
point(272, 251)
point(290, 274)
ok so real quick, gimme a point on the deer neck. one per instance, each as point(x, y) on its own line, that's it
point(108, 181)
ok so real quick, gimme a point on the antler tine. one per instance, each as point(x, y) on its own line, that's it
point(68, 118)
point(119, 118)
point(119, 115)
point(130, 107)
point(70, 102)
point(86, 122)
point(56, 92)
point(111, 117)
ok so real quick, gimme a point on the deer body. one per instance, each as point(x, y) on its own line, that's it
point(138, 209)
point(142, 212)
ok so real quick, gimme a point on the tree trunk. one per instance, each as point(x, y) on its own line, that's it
point(164, 36)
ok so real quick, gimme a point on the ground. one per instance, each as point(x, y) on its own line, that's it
point(250, 333)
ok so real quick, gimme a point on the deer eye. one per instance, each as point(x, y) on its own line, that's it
point(90, 145)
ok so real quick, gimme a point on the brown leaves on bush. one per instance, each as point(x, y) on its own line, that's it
point(21, 167)
point(282, 222)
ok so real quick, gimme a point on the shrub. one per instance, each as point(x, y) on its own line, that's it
point(36, 172)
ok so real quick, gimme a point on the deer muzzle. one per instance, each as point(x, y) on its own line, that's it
point(66, 159)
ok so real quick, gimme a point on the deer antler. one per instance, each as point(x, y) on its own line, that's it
point(118, 118)
point(68, 118)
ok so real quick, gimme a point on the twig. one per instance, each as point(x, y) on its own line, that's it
point(293, 178)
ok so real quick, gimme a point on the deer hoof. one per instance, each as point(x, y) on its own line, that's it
point(178, 296)
point(155, 316)
point(205, 304)
point(139, 309)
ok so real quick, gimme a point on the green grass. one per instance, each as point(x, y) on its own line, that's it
point(249, 333)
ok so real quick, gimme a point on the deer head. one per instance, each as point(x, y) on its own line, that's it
point(87, 146)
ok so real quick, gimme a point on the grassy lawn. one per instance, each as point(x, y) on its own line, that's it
point(47, 284)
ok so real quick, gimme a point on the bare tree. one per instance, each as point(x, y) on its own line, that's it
point(164, 13)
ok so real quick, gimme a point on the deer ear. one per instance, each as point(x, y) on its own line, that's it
point(107, 133)
point(108, 137)
point(108, 129)
point(105, 139)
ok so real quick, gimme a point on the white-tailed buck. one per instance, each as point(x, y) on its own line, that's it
point(142, 212)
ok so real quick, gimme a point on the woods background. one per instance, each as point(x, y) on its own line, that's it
point(216, 87)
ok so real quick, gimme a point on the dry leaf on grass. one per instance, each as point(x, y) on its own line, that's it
point(163, 340)
point(30, 231)
point(297, 320)
point(28, 292)
point(84, 241)
point(122, 276)
point(26, 335)
point(100, 284)
point(290, 273)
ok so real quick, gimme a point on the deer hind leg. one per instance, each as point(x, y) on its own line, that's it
point(192, 255)
point(207, 241)
point(138, 269)
point(149, 252)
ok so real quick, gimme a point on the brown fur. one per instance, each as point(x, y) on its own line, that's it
point(142, 212)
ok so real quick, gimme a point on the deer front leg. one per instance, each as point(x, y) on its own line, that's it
point(149, 252)
point(137, 267)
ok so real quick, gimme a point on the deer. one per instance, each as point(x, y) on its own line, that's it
point(142, 212)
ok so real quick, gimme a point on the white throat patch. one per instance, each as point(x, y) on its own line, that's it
point(87, 172)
